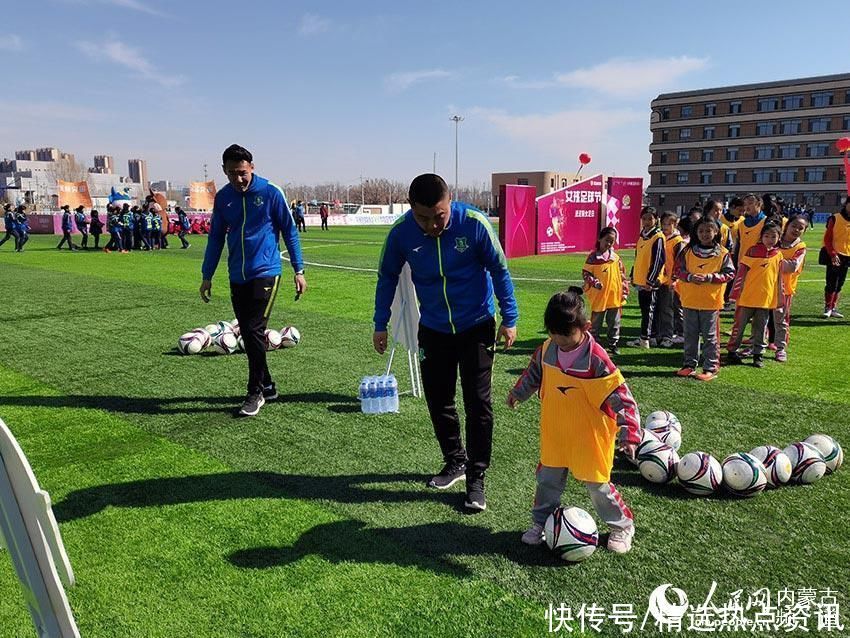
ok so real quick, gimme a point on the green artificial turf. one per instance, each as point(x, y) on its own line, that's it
point(312, 518)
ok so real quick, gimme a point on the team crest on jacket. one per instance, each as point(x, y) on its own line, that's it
point(258, 200)
point(460, 244)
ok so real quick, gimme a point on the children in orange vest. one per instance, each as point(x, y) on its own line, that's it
point(667, 307)
point(606, 287)
point(648, 273)
point(756, 291)
point(793, 250)
point(836, 246)
point(703, 269)
point(586, 410)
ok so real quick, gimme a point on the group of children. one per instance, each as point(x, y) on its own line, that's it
point(17, 226)
point(688, 269)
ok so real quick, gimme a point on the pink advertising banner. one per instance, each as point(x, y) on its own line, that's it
point(568, 219)
point(517, 217)
point(622, 208)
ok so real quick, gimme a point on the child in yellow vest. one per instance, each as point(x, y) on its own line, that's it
point(836, 257)
point(748, 232)
point(703, 269)
point(648, 273)
point(606, 287)
point(731, 218)
point(756, 291)
point(667, 309)
point(793, 250)
point(586, 410)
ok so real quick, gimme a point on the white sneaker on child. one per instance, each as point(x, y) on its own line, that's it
point(620, 540)
point(534, 535)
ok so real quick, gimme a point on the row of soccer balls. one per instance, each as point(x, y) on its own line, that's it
point(743, 474)
point(224, 337)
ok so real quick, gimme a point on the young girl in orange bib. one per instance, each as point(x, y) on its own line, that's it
point(606, 287)
point(793, 250)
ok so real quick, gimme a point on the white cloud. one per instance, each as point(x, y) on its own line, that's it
point(135, 5)
point(11, 42)
point(623, 77)
point(129, 57)
point(312, 24)
point(397, 82)
point(515, 82)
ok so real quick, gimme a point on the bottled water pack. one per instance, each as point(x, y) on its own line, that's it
point(378, 394)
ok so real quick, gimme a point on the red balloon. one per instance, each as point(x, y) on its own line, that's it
point(584, 158)
point(843, 144)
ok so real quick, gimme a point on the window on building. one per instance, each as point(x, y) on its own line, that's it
point(684, 133)
point(663, 158)
point(665, 135)
point(734, 130)
point(815, 174)
point(789, 151)
point(708, 155)
point(708, 133)
point(684, 156)
point(681, 178)
point(768, 104)
point(551, 182)
point(662, 178)
point(710, 110)
point(792, 102)
point(735, 107)
point(731, 177)
point(705, 177)
point(790, 127)
point(823, 98)
point(665, 113)
point(764, 152)
point(847, 122)
point(687, 111)
point(766, 128)
point(522, 181)
point(817, 150)
point(786, 175)
point(762, 176)
point(819, 125)
point(732, 154)
point(847, 97)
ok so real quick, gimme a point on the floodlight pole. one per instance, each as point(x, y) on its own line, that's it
point(457, 119)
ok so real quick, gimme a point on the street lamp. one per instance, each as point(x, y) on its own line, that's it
point(457, 119)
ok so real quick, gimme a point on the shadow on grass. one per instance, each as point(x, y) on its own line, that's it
point(166, 405)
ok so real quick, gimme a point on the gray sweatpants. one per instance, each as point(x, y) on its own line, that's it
point(609, 505)
point(610, 317)
point(743, 314)
point(703, 324)
point(782, 323)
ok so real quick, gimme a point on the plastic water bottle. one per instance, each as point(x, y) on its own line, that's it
point(363, 393)
point(393, 386)
point(372, 396)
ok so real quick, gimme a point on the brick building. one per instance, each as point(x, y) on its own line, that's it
point(776, 137)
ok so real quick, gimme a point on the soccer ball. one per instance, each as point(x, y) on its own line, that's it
point(213, 329)
point(829, 448)
point(744, 474)
point(240, 342)
point(225, 326)
point(193, 342)
point(699, 473)
point(571, 534)
point(666, 427)
point(776, 463)
point(225, 343)
point(289, 337)
point(273, 339)
point(657, 462)
point(807, 462)
point(234, 326)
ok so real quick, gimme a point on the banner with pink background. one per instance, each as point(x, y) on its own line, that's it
point(568, 219)
point(517, 219)
point(622, 209)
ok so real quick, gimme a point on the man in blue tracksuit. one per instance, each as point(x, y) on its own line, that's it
point(456, 264)
point(82, 225)
point(66, 229)
point(11, 225)
point(250, 213)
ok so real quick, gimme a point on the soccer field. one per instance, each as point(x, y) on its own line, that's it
point(312, 519)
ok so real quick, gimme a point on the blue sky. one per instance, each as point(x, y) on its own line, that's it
point(325, 91)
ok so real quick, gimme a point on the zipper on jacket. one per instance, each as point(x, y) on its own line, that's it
point(445, 294)
point(244, 219)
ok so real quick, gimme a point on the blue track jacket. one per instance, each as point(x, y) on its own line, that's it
point(454, 274)
point(252, 223)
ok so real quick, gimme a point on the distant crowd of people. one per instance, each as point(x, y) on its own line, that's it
point(299, 214)
point(17, 227)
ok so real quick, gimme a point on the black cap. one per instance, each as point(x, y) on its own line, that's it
point(80, 207)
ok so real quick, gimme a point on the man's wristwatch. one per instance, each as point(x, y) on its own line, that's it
point(299, 272)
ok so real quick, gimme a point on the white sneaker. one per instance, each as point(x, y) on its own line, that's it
point(835, 314)
point(827, 313)
point(678, 340)
point(534, 535)
point(620, 540)
point(638, 343)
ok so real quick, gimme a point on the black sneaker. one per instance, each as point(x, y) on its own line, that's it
point(252, 405)
point(270, 392)
point(475, 493)
point(758, 361)
point(448, 476)
point(735, 358)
